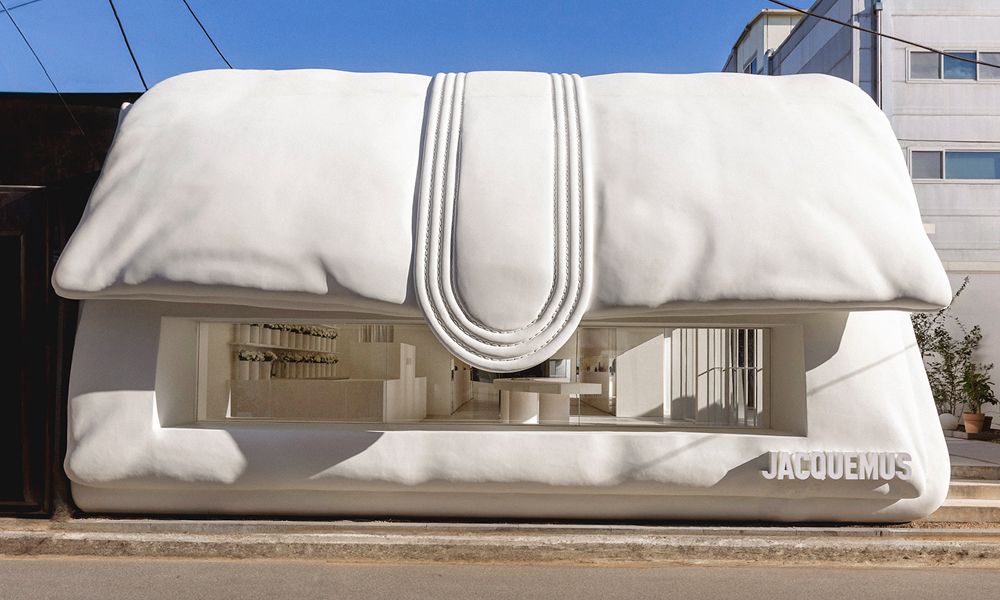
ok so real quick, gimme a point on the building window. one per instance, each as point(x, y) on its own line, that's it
point(926, 165)
point(751, 67)
point(954, 68)
point(925, 65)
point(401, 374)
point(992, 58)
point(971, 165)
point(955, 164)
point(933, 66)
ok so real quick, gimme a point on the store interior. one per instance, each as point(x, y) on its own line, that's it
point(391, 374)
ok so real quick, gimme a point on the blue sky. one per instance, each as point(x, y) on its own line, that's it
point(79, 41)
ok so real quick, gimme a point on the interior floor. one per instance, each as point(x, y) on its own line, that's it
point(484, 408)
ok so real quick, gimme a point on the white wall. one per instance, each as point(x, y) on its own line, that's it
point(433, 362)
point(642, 373)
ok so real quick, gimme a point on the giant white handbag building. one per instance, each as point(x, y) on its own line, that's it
point(503, 295)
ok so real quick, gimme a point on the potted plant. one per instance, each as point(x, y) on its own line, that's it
point(978, 391)
point(948, 359)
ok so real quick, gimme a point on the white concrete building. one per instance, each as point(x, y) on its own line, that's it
point(944, 112)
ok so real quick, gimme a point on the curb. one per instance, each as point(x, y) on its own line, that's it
point(462, 543)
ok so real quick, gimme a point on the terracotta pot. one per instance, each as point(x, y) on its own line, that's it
point(973, 422)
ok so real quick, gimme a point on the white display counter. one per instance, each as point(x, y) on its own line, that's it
point(539, 401)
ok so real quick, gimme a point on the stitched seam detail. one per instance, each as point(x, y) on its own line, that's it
point(579, 266)
point(555, 240)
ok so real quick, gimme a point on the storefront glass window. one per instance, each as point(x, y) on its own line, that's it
point(378, 373)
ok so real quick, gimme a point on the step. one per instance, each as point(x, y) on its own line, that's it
point(991, 472)
point(974, 489)
point(966, 511)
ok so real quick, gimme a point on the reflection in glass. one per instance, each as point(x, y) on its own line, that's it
point(992, 58)
point(960, 69)
point(972, 165)
point(925, 65)
point(925, 165)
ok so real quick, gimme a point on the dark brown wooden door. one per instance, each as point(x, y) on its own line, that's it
point(36, 336)
point(25, 420)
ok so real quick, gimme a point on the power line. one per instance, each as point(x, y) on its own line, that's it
point(125, 37)
point(20, 5)
point(885, 35)
point(198, 21)
point(100, 161)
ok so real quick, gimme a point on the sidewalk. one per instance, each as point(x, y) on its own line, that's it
point(919, 543)
point(970, 458)
point(477, 543)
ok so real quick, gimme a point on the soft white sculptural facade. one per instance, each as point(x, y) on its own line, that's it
point(506, 210)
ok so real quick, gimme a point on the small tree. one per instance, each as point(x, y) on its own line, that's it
point(955, 379)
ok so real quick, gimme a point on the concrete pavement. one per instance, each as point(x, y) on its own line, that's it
point(86, 579)
point(478, 543)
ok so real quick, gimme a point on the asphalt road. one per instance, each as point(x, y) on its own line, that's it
point(136, 579)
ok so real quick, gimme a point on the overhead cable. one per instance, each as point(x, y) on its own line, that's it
point(100, 160)
point(125, 37)
point(20, 5)
point(885, 35)
point(198, 21)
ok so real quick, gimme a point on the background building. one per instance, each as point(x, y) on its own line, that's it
point(945, 113)
point(762, 35)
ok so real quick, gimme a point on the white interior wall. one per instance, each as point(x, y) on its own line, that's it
point(433, 362)
point(641, 373)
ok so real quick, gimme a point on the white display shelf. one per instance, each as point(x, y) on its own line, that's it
point(257, 345)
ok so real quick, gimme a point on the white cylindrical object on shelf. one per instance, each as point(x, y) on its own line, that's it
point(243, 368)
point(255, 334)
point(254, 370)
point(265, 370)
point(265, 336)
point(244, 333)
point(282, 338)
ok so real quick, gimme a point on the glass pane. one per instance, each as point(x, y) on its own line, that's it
point(972, 165)
point(380, 373)
point(989, 72)
point(926, 165)
point(925, 65)
point(960, 69)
